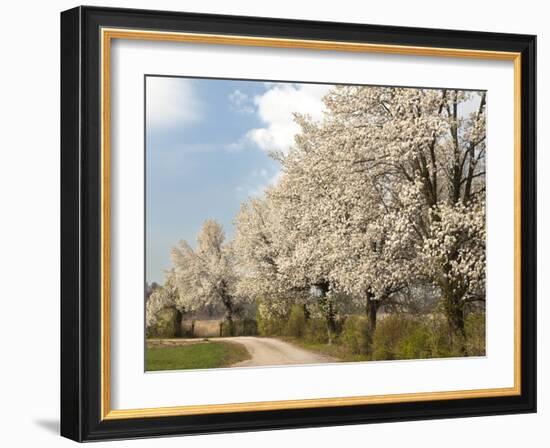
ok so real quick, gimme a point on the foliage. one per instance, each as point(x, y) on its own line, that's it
point(388, 335)
point(475, 334)
point(271, 322)
point(160, 299)
point(416, 343)
point(355, 335)
point(316, 331)
point(164, 326)
point(296, 323)
point(404, 337)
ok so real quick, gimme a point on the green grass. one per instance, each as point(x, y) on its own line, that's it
point(202, 355)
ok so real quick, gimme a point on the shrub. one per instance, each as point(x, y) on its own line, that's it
point(416, 342)
point(165, 326)
point(355, 335)
point(387, 336)
point(241, 327)
point(316, 331)
point(439, 338)
point(248, 327)
point(475, 334)
point(401, 337)
point(296, 323)
point(272, 326)
point(226, 330)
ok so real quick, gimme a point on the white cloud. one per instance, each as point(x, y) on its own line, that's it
point(276, 107)
point(241, 102)
point(171, 102)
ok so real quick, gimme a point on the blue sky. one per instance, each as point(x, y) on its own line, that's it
point(206, 152)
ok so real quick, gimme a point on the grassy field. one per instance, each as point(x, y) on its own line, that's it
point(202, 355)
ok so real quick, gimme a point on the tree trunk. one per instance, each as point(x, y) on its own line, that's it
point(230, 322)
point(328, 310)
point(372, 311)
point(331, 321)
point(454, 311)
point(227, 301)
point(177, 323)
point(306, 312)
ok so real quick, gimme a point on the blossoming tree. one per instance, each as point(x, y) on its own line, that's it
point(161, 298)
point(384, 195)
point(206, 276)
point(423, 152)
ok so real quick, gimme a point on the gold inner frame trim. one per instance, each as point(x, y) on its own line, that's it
point(107, 35)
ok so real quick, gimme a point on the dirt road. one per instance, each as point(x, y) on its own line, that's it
point(272, 352)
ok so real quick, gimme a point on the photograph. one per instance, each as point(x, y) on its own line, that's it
point(292, 223)
point(282, 222)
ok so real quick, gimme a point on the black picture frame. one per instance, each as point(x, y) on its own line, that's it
point(81, 224)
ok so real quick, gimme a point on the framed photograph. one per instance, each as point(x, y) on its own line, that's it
point(273, 223)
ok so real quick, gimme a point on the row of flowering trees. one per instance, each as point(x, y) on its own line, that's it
point(383, 198)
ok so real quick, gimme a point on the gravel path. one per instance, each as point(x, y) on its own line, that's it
point(273, 352)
